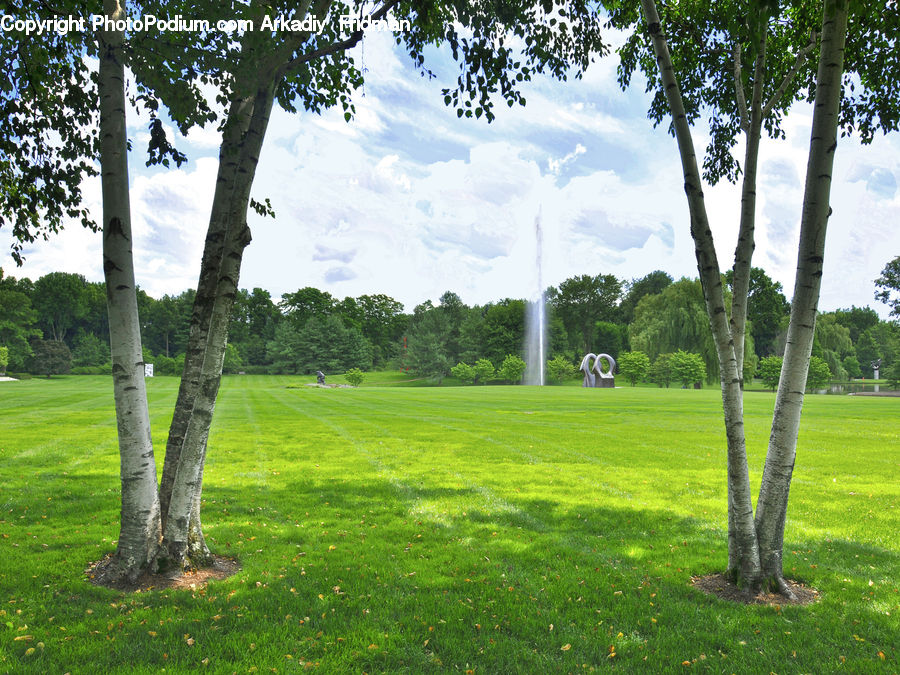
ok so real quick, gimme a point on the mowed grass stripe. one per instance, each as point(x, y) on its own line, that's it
point(405, 531)
point(548, 449)
point(482, 507)
point(707, 466)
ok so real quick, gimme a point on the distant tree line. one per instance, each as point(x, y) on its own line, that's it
point(58, 323)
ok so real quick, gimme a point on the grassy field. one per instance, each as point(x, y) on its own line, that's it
point(465, 529)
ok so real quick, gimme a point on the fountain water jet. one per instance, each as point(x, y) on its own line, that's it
point(535, 319)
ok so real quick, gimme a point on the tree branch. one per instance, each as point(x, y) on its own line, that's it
point(792, 73)
point(341, 45)
point(296, 41)
point(739, 89)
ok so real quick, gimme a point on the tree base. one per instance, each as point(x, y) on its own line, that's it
point(787, 592)
point(104, 573)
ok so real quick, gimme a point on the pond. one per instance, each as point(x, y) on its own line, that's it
point(854, 388)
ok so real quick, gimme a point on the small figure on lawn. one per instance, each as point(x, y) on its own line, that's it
point(320, 377)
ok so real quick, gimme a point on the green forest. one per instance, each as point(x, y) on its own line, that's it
point(58, 324)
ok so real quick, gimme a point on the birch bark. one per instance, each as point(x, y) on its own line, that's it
point(743, 252)
point(229, 159)
point(227, 236)
point(740, 508)
point(182, 535)
point(751, 122)
point(140, 517)
point(776, 481)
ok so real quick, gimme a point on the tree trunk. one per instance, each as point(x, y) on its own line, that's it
point(740, 506)
point(227, 237)
point(181, 539)
point(228, 181)
point(743, 253)
point(229, 159)
point(139, 536)
point(776, 481)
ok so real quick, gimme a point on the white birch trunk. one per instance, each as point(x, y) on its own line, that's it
point(776, 481)
point(140, 518)
point(743, 253)
point(179, 536)
point(740, 507)
point(229, 159)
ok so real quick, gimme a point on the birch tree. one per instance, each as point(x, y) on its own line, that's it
point(138, 541)
point(251, 72)
point(315, 71)
point(755, 542)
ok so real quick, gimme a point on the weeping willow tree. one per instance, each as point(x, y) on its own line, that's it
point(676, 319)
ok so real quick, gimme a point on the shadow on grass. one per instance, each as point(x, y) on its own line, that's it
point(391, 576)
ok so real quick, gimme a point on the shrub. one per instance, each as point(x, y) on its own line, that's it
point(355, 376)
point(50, 357)
point(464, 373)
point(254, 370)
point(851, 365)
point(559, 368)
point(688, 367)
point(164, 365)
point(661, 370)
point(484, 370)
point(4, 359)
point(233, 362)
point(93, 370)
point(819, 374)
point(770, 371)
point(512, 369)
point(634, 366)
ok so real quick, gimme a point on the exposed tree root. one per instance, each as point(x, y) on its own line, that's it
point(785, 589)
point(782, 592)
point(107, 573)
point(112, 572)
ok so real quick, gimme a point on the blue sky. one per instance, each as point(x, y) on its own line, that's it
point(410, 201)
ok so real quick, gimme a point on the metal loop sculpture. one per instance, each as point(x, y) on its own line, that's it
point(592, 367)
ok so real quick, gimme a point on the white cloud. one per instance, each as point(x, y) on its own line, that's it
point(410, 201)
point(555, 165)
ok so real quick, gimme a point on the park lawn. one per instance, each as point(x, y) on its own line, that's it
point(486, 529)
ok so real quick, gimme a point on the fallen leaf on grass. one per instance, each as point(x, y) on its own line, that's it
point(27, 638)
point(566, 647)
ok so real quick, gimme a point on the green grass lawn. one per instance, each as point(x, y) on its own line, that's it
point(487, 529)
